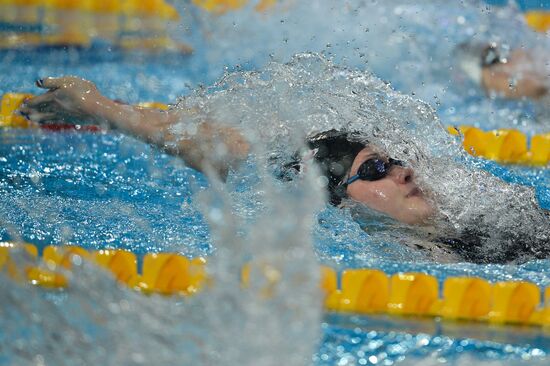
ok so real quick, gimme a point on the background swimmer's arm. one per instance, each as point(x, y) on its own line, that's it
point(74, 100)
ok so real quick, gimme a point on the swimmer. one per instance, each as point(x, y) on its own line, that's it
point(514, 74)
point(354, 169)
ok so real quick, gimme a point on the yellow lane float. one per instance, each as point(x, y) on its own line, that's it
point(130, 24)
point(222, 6)
point(8, 108)
point(514, 302)
point(62, 256)
point(466, 298)
point(538, 20)
point(121, 263)
point(363, 291)
point(506, 146)
point(8, 258)
point(329, 281)
point(417, 294)
point(169, 273)
point(163, 273)
point(360, 291)
point(414, 294)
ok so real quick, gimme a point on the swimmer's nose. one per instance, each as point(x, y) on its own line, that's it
point(402, 175)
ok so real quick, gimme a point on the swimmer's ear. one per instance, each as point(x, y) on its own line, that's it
point(337, 194)
point(290, 170)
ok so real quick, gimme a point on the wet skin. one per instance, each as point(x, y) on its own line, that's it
point(396, 195)
point(516, 78)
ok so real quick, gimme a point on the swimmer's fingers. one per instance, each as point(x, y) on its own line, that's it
point(64, 82)
point(40, 101)
point(38, 117)
point(44, 118)
point(51, 101)
point(45, 114)
point(51, 83)
point(25, 111)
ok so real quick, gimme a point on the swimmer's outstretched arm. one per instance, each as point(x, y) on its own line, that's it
point(75, 100)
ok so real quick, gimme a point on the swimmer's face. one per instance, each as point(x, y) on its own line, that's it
point(396, 195)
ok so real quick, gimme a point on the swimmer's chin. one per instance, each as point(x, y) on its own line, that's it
point(419, 217)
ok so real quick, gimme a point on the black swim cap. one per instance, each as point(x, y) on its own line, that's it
point(335, 152)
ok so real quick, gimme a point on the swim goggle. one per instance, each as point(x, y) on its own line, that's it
point(374, 169)
point(491, 56)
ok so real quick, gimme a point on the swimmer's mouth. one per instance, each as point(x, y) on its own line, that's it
point(414, 192)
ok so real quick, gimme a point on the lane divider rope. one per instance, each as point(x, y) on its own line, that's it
point(507, 146)
point(223, 6)
point(129, 24)
point(538, 20)
point(361, 291)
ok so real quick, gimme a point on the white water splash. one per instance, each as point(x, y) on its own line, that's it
point(410, 44)
point(278, 106)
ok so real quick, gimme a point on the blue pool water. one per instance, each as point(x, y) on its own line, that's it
point(525, 4)
point(86, 181)
point(105, 190)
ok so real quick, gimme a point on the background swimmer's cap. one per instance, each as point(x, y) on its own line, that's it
point(334, 152)
point(468, 55)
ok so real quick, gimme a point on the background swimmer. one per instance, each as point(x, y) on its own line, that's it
point(513, 74)
point(408, 44)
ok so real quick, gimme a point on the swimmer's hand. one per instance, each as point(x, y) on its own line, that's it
point(68, 100)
